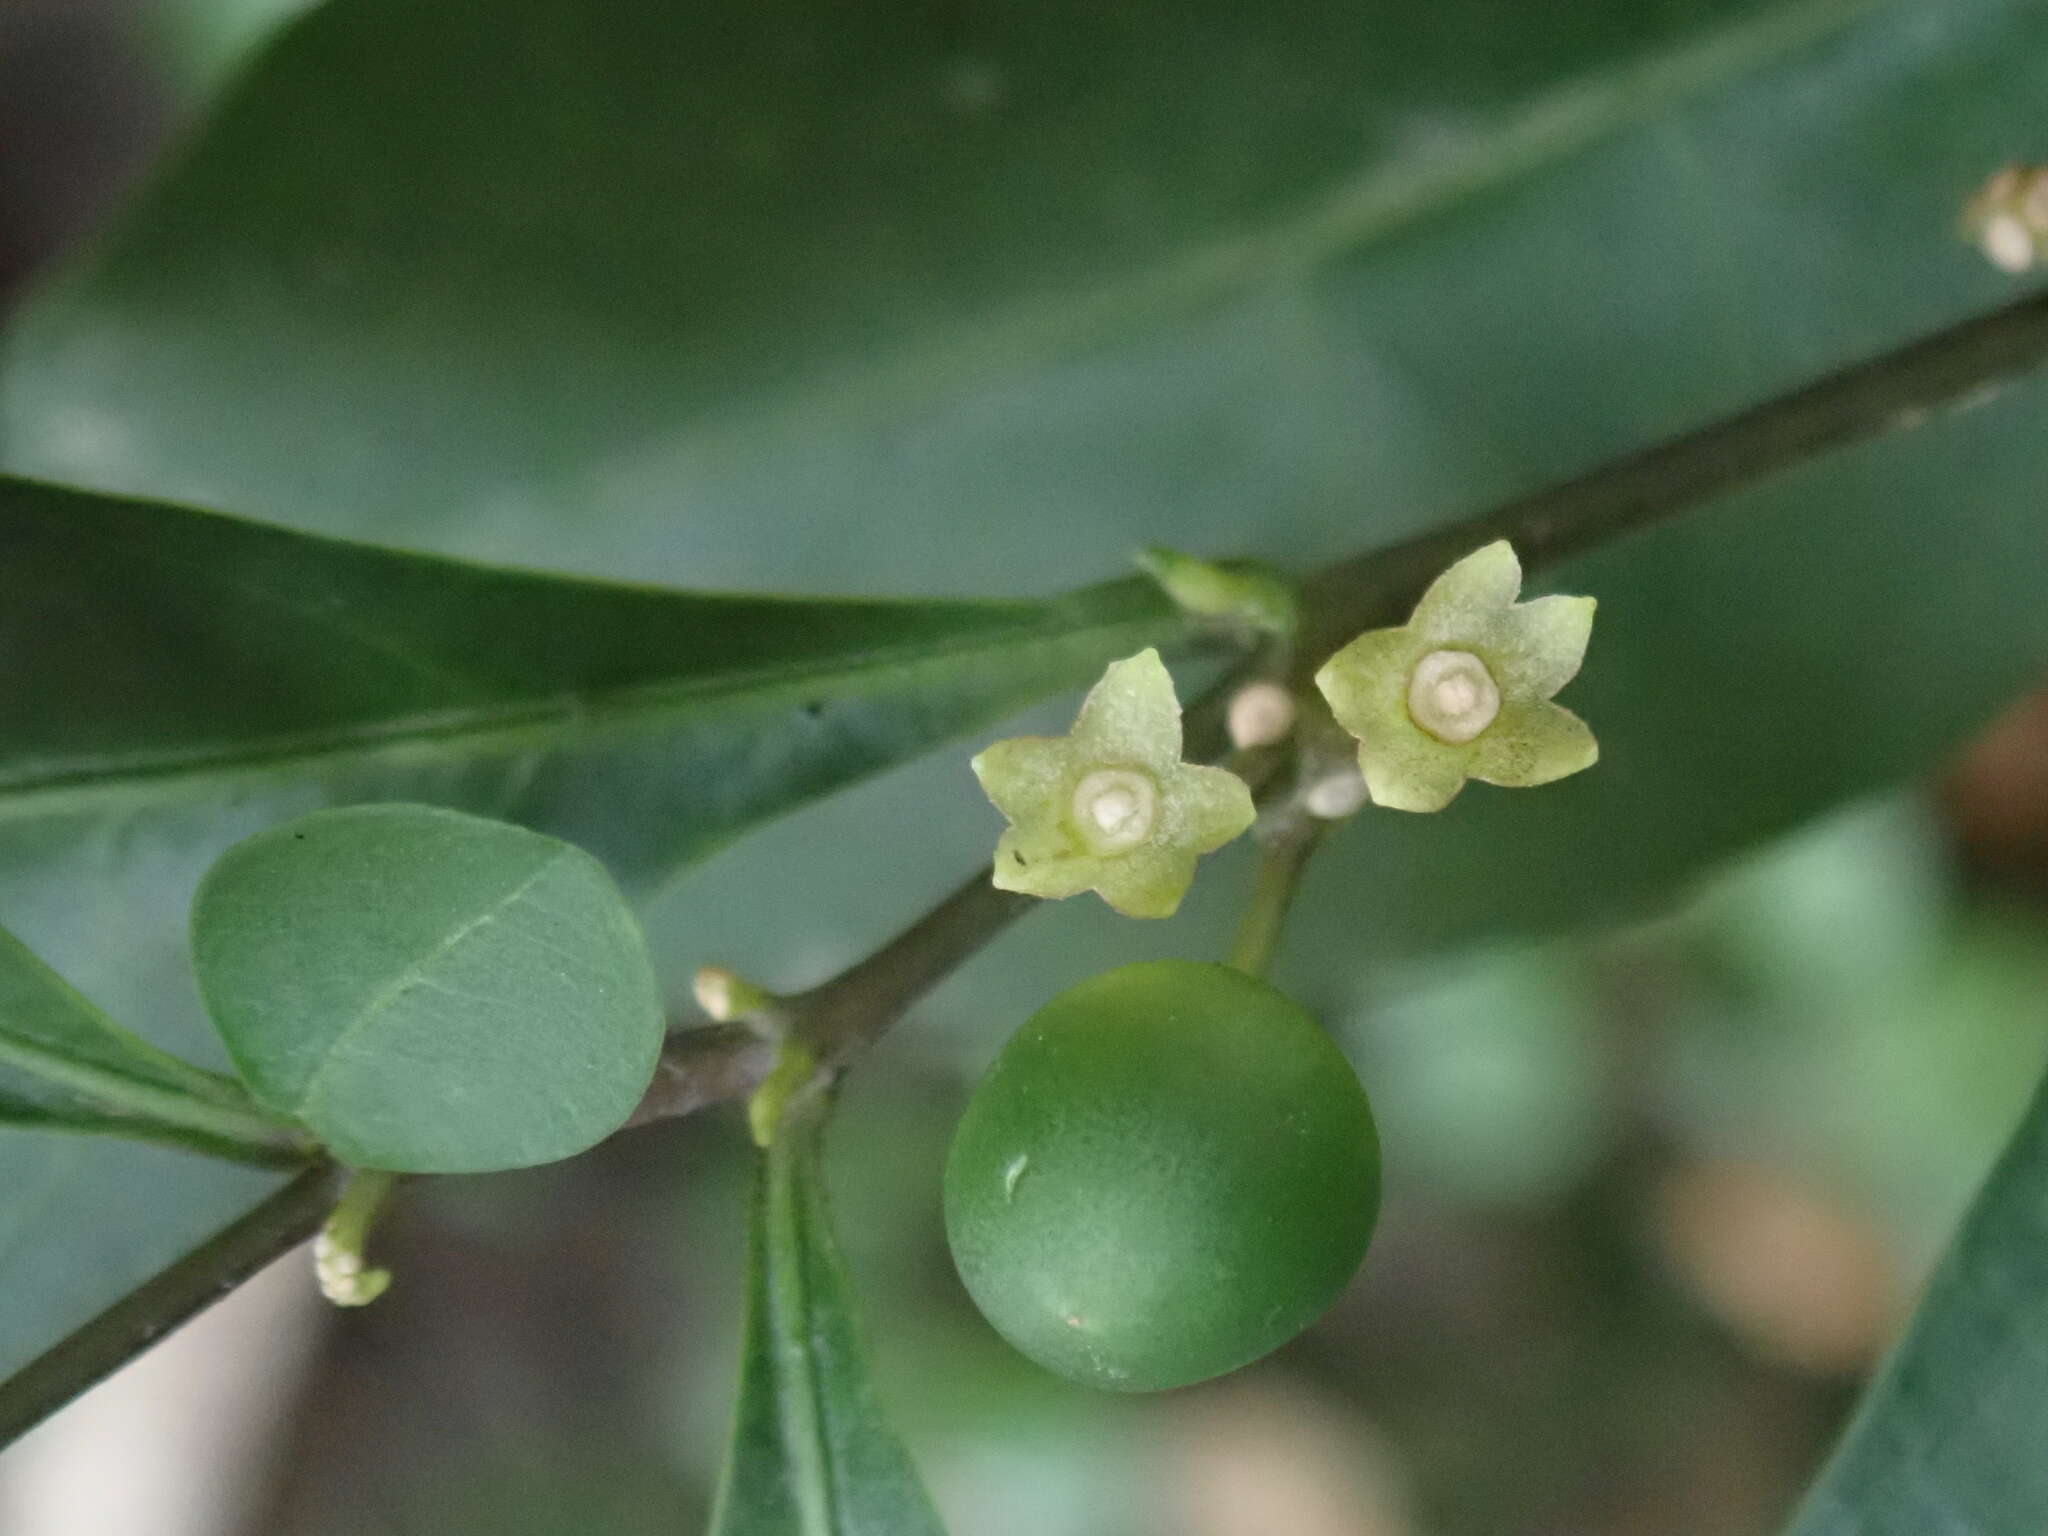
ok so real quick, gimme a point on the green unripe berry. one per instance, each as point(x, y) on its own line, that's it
point(1169, 1171)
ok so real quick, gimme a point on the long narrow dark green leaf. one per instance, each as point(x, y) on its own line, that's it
point(158, 653)
point(811, 1455)
point(1952, 1438)
point(65, 1064)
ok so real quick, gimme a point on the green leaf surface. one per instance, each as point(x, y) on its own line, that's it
point(810, 1455)
point(66, 1065)
point(892, 299)
point(874, 298)
point(1948, 1438)
point(61, 1058)
point(429, 992)
point(585, 282)
point(159, 654)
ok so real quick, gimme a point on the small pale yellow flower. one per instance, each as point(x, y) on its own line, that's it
point(1462, 690)
point(1111, 807)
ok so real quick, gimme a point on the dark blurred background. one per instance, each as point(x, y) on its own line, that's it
point(1656, 1200)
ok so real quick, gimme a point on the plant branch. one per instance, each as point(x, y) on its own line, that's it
point(1281, 864)
point(143, 1316)
point(849, 1012)
point(703, 1066)
point(1962, 366)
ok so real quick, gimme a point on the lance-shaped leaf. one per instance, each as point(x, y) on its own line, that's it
point(156, 653)
point(1949, 1437)
point(811, 1454)
point(66, 1065)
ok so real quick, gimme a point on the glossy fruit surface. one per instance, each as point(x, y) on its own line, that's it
point(1169, 1171)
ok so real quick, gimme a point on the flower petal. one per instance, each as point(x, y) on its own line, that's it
point(1148, 882)
point(1132, 715)
point(1038, 861)
point(1463, 605)
point(1366, 683)
point(1027, 777)
point(1538, 645)
point(1533, 742)
point(1410, 770)
point(1205, 808)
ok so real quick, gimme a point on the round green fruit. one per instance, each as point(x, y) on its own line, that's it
point(1169, 1171)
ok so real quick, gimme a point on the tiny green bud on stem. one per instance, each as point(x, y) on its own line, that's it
point(726, 995)
point(1335, 795)
point(1239, 592)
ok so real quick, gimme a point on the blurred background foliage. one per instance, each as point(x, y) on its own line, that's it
point(1656, 1195)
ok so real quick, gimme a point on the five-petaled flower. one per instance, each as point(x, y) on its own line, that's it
point(1463, 689)
point(1111, 807)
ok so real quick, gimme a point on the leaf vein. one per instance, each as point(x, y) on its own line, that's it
point(414, 975)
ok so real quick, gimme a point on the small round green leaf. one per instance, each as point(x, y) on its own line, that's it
point(428, 992)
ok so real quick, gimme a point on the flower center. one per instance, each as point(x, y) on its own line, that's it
point(1452, 696)
point(1115, 809)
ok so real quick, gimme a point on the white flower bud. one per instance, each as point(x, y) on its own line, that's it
point(1260, 714)
point(714, 987)
point(2006, 239)
point(1335, 795)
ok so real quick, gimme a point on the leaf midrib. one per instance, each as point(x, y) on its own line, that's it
point(414, 974)
point(497, 728)
point(121, 1094)
point(1547, 129)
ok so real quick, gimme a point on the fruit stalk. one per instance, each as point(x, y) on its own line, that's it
point(1282, 862)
